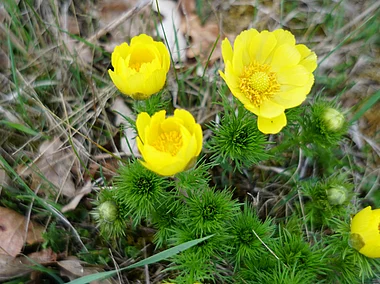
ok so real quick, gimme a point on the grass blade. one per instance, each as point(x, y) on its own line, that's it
point(154, 258)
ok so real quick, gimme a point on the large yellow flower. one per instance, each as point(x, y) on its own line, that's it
point(365, 232)
point(168, 145)
point(268, 73)
point(140, 69)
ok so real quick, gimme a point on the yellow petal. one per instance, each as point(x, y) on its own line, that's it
point(372, 251)
point(158, 118)
point(187, 118)
point(231, 78)
point(136, 84)
point(155, 158)
point(199, 138)
point(142, 121)
point(141, 53)
point(292, 97)
point(227, 52)
point(295, 76)
point(148, 68)
point(252, 108)
point(119, 82)
point(284, 37)
point(308, 58)
point(189, 148)
point(271, 125)
point(240, 59)
point(115, 59)
point(165, 56)
point(155, 82)
point(285, 56)
point(121, 51)
point(141, 39)
point(172, 169)
point(359, 223)
point(171, 124)
point(244, 38)
point(140, 146)
point(269, 109)
point(261, 46)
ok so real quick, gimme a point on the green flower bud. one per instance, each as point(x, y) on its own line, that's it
point(108, 211)
point(337, 195)
point(333, 119)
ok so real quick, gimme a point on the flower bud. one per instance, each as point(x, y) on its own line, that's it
point(333, 119)
point(336, 195)
point(108, 211)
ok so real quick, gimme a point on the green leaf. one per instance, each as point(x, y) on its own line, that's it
point(19, 127)
point(366, 106)
point(154, 258)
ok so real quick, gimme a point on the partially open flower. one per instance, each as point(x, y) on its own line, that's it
point(140, 68)
point(168, 145)
point(365, 232)
point(268, 73)
point(333, 119)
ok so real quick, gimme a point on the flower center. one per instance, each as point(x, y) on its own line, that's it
point(169, 142)
point(257, 83)
point(139, 57)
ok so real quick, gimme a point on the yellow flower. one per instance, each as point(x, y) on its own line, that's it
point(268, 73)
point(168, 145)
point(365, 232)
point(140, 69)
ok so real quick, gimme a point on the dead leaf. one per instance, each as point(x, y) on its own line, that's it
point(237, 18)
point(51, 170)
point(110, 10)
point(11, 267)
point(203, 39)
point(73, 269)
point(86, 189)
point(121, 109)
point(4, 178)
point(5, 63)
point(170, 29)
point(13, 233)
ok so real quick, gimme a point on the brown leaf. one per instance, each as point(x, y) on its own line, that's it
point(86, 189)
point(170, 28)
point(73, 268)
point(52, 168)
point(203, 37)
point(122, 110)
point(13, 233)
point(11, 267)
point(110, 10)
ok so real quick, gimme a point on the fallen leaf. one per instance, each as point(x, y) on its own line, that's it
point(14, 234)
point(86, 189)
point(73, 269)
point(202, 37)
point(4, 178)
point(51, 170)
point(12, 267)
point(122, 110)
point(110, 10)
point(170, 28)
